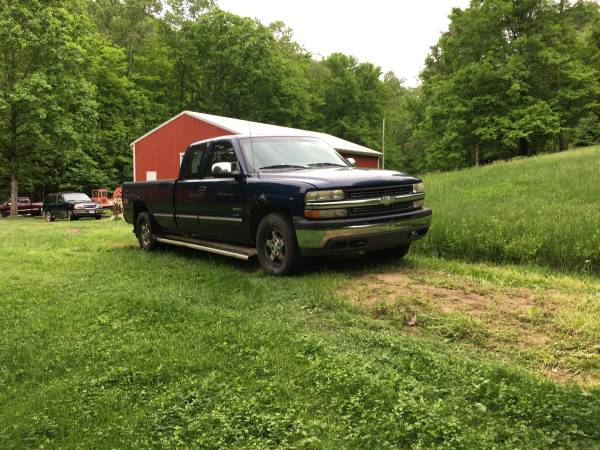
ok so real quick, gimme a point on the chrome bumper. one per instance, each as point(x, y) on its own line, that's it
point(86, 212)
point(315, 238)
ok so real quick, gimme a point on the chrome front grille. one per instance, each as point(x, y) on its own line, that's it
point(381, 195)
point(379, 191)
point(375, 210)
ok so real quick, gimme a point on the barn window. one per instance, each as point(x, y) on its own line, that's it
point(151, 175)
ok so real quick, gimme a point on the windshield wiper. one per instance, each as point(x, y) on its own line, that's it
point(284, 166)
point(326, 164)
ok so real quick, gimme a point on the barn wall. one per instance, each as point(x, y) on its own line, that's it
point(363, 161)
point(159, 151)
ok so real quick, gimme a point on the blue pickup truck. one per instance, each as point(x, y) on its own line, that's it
point(280, 198)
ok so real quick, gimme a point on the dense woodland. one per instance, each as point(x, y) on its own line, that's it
point(81, 79)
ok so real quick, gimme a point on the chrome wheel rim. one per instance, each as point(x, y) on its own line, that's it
point(275, 247)
point(49, 216)
point(145, 234)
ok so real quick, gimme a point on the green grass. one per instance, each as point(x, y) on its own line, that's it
point(543, 210)
point(104, 346)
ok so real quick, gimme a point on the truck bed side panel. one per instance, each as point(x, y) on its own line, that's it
point(156, 196)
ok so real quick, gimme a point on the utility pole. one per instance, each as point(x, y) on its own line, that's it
point(383, 144)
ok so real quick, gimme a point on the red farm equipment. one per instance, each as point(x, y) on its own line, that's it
point(101, 197)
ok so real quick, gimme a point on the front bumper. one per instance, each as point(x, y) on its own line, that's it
point(83, 212)
point(330, 237)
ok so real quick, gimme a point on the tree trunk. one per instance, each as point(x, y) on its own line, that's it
point(562, 144)
point(523, 147)
point(14, 186)
point(477, 157)
point(12, 152)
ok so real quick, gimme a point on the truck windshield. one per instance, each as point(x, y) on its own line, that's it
point(76, 197)
point(289, 153)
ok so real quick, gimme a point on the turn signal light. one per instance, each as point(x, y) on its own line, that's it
point(325, 213)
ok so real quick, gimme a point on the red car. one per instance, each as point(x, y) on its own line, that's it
point(24, 206)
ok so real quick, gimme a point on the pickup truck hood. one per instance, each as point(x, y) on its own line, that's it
point(341, 177)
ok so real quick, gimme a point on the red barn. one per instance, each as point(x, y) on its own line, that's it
point(157, 154)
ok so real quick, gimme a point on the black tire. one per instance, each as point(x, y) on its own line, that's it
point(276, 245)
point(144, 231)
point(71, 216)
point(98, 216)
point(49, 216)
point(4, 215)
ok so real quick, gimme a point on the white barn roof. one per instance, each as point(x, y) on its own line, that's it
point(239, 126)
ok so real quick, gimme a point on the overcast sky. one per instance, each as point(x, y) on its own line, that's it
point(393, 34)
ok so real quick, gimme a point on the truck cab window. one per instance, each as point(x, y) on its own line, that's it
point(192, 162)
point(222, 152)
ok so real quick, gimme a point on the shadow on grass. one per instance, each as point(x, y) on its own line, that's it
point(352, 264)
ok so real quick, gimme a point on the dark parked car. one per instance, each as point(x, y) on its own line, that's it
point(277, 197)
point(24, 206)
point(70, 205)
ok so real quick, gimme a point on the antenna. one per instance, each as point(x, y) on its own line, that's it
point(383, 142)
point(251, 144)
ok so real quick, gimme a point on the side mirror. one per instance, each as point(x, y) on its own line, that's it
point(351, 161)
point(225, 169)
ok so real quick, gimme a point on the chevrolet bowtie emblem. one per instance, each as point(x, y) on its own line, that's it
point(386, 200)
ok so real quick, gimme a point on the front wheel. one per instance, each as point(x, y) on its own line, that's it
point(71, 216)
point(276, 245)
point(49, 216)
point(145, 232)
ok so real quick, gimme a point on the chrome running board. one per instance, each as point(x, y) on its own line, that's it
point(234, 251)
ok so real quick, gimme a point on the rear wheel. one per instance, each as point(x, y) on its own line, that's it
point(49, 216)
point(98, 216)
point(145, 232)
point(276, 244)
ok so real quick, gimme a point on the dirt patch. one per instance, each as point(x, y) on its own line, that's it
point(508, 321)
point(74, 230)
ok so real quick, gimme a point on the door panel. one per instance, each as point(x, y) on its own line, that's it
point(60, 208)
point(189, 196)
point(190, 191)
point(221, 210)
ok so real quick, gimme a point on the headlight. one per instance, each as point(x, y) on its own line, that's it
point(419, 187)
point(325, 213)
point(324, 196)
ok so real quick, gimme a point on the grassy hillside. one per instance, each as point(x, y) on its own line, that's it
point(543, 210)
point(104, 346)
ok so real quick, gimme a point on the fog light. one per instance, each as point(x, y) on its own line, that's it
point(325, 213)
point(418, 203)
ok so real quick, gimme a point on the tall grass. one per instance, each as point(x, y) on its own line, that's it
point(543, 210)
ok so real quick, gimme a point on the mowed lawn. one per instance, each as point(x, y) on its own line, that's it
point(104, 346)
point(543, 210)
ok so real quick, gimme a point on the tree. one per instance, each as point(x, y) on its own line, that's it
point(506, 79)
point(47, 107)
point(353, 98)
